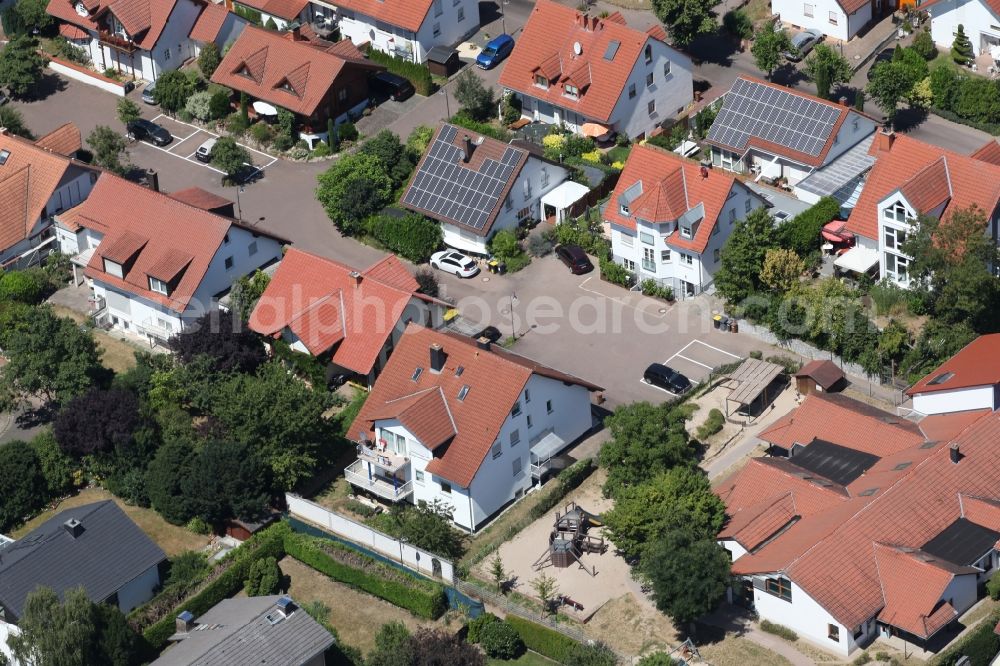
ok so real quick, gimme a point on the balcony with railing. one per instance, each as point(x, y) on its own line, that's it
point(116, 41)
point(391, 488)
point(392, 463)
point(157, 330)
point(649, 265)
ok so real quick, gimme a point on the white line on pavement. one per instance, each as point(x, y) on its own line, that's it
point(622, 301)
point(690, 360)
point(721, 351)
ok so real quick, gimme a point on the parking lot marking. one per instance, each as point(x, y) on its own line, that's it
point(260, 167)
point(661, 315)
point(691, 360)
point(721, 351)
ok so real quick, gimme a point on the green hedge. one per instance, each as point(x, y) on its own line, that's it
point(267, 543)
point(801, 233)
point(411, 236)
point(421, 597)
point(568, 479)
point(980, 645)
point(418, 75)
point(544, 641)
point(462, 119)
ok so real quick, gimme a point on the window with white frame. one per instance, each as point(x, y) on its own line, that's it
point(664, 256)
point(666, 70)
point(648, 261)
point(418, 476)
point(497, 450)
point(516, 409)
point(896, 267)
point(687, 258)
point(808, 9)
point(627, 240)
point(685, 232)
point(649, 80)
point(545, 177)
point(571, 91)
point(541, 81)
point(651, 107)
point(894, 239)
point(113, 268)
point(628, 264)
point(646, 238)
point(527, 189)
point(834, 17)
point(895, 213)
point(159, 286)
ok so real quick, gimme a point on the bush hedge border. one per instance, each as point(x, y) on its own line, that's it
point(980, 645)
point(418, 75)
point(546, 642)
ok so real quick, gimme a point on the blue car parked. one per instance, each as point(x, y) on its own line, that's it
point(498, 49)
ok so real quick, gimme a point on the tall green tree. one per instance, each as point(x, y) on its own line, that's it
point(768, 45)
point(354, 188)
point(686, 19)
point(743, 257)
point(397, 158)
point(827, 68)
point(224, 339)
point(961, 48)
point(97, 422)
point(127, 111)
point(109, 149)
point(227, 480)
point(890, 84)
point(952, 263)
point(21, 65)
point(208, 59)
point(476, 99)
point(264, 578)
point(247, 291)
point(392, 646)
point(12, 119)
point(33, 13)
point(49, 357)
point(23, 488)
point(426, 526)
point(229, 156)
point(165, 480)
point(172, 90)
point(73, 632)
point(689, 573)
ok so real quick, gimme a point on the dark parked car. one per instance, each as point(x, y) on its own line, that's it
point(666, 378)
point(491, 333)
point(395, 87)
point(885, 55)
point(498, 49)
point(575, 258)
point(147, 130)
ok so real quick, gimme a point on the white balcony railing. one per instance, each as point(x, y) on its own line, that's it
point(357, 474)
point(390, 462)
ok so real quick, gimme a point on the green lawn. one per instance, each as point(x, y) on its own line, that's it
point(944, 59)
point(619, 153)
point(526, 659)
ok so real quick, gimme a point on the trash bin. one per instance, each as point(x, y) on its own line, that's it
point(717, 321)
point(724, 323)
point(493, 266)
point(733, 326)
point(502, 268)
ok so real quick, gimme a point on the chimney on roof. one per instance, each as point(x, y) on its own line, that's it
point(954, 453)
point(184, 622)
point(704, 171)
point(842, 100)
point(4, 131)
point(73, 527)
point(884, 139)
point(296, 31)
point(483, 343)
point(356, 276)
point(469, 147)
point(285, 605)
point(153, 180)
point(437, 357)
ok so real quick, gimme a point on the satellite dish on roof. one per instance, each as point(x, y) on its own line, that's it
point(82, 10)
point(577, 48)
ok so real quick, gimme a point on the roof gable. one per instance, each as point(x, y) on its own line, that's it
point(929, 188)
point(976, 364)
point(407, 14)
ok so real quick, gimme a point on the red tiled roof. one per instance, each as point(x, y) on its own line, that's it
point(199, 198)
point(976, 364)
point(823, 372)
point(752, 526)
point(391, 270)
point(143, 20)
point(547, 45)
point(161, 229)
point(981, 511)
point(990, 151)
point(945, 427)
point(28, 179)
point(65, 10)
point(930, 187)
point(671, 186)
point(273, 64)
point(209, 22)
point(288, 10)
point(406, 14)
point(64, 140)
point(912, 584)
point(841, 420)
point(763, 479)
point(72, 32)
point(495, 379)
point(972, 181)
point(319, 301)
point(851, 6)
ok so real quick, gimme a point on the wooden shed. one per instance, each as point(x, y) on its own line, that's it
point(819, 376)
point(442, 61)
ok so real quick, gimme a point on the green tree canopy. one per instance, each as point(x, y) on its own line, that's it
point(354, 188)
point(426, 526)
point(23, 488)
point(229, 156)
point(172, 90)
point(689, 573)
point(397, 159)
point(743, 256)
point(264, 578)
point(827, 68)
point(392, 646)
point(50, 357)
point(224, 339)
point(34, 14)
point(247, 291)
point(226, 480)
point(768, 45)
point(12, 119)
point(890, 83)
point(646, 440)
point(21, 65)
point(109, 149)
point(686, 19)
point(127, 111)
point(165, 478)
point(209, 59)
point(478, 100)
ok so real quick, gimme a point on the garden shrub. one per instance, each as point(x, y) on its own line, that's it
point(412, 236)
point(651, 287)
point(546, 642)
point(418, 75)
point(506, 248)
point(801, 233)
point(539, 245)
point(23, 286)
point(499, 640)
point(738, 24)
point(199, 105)
point(359, 508)
point(264, 578)
point(980, 645)
point(218, 104)
point(993, 586)
point(322, 149)
point(712, 425)
point(347, 132)
point(923, 44)
point(462, 119)
point(428, 282)
point(351, 567)
point(616, 273)
point(476, 626)
point(862, 659)
point(261, 133)
point(779, 630)
point(236, 124)
point(592, 654)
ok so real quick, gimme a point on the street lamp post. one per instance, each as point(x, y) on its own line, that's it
point(447, 104)
point(503, 18)
point(239, 208)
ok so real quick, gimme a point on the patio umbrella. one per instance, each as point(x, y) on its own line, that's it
point(835, 233)
point(264, 109)
point(594, 129)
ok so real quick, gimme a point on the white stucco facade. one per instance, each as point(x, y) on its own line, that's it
point(546, 406)
point(139, 590)
point(447, 23)
point(651, 252)
point(642, 105)
point(827, 16)
point(981, 24)
point(959, 400)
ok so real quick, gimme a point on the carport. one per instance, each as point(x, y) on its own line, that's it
point(750, 386)
point(561, 199)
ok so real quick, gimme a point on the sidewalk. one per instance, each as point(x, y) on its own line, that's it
point(729, 619)
point(860, 50)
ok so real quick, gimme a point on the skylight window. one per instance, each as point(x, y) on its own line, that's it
point(4, 154)
point(459, 370)
point(416, 374)
point(940, 379)
point(869, 492)
point(901, 466)
point(464, 391)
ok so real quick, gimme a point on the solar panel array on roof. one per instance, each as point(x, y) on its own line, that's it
point(448, 188)
point(752, 109)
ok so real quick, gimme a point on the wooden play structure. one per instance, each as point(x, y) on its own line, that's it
point(569, 540)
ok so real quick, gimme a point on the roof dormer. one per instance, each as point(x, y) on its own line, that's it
point(119, 254)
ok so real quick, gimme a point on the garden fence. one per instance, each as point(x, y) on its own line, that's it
point(397, 550)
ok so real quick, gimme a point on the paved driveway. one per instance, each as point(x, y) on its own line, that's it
point(188, 137)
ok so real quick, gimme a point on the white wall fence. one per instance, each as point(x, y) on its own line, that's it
point(90, 78)
point(404, 553)
point(801, 348)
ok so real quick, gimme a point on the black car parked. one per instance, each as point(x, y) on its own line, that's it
point(146, 130)
point(391, 85)
point(666, 378)
point(491, 333)
point(575, 259)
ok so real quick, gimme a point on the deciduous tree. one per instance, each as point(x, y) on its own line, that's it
point(12, 119)
point(689, 573)
point(229, 156)
point(223, 338)
point(426, 526)
point(23, 488)
point(109, 149)
point(768, 45)
point(226, 480)
point(99, 421)
point(686, 19)
point(354, 188)
point(476, 99)
point(743, 256)
point(890, 83)
point(546, 587)
point(127, 111)
point(392, 646)
point(827, 68)
point(246, 292)
point(209, 59)
point(21, 65)
point(172, 90)
point(781, 269)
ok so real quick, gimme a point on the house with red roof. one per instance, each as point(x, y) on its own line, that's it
point(216, 24)
point(314, 79)
point(37, 181)
point(596, 75)
point(350, 320)
point(155, 263)
point(465, 423)
point(407, 29)
point(912, 178)
point(871, 526)
point(840, 19)
point(969, 380)
point(139, 38)
point(670, 217)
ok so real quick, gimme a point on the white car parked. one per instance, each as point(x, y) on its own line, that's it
point(455, 263)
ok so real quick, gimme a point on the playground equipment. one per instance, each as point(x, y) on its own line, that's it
point(568, 540)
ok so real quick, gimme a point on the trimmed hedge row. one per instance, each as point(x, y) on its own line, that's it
point(267, 543)
point(422, 598)
point(462, 119)
point(544, 641)
point(980, 645)
point(568, 480)
point(418, 75)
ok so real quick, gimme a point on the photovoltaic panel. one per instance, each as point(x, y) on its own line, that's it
point(752, 109)
point(446, 188)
